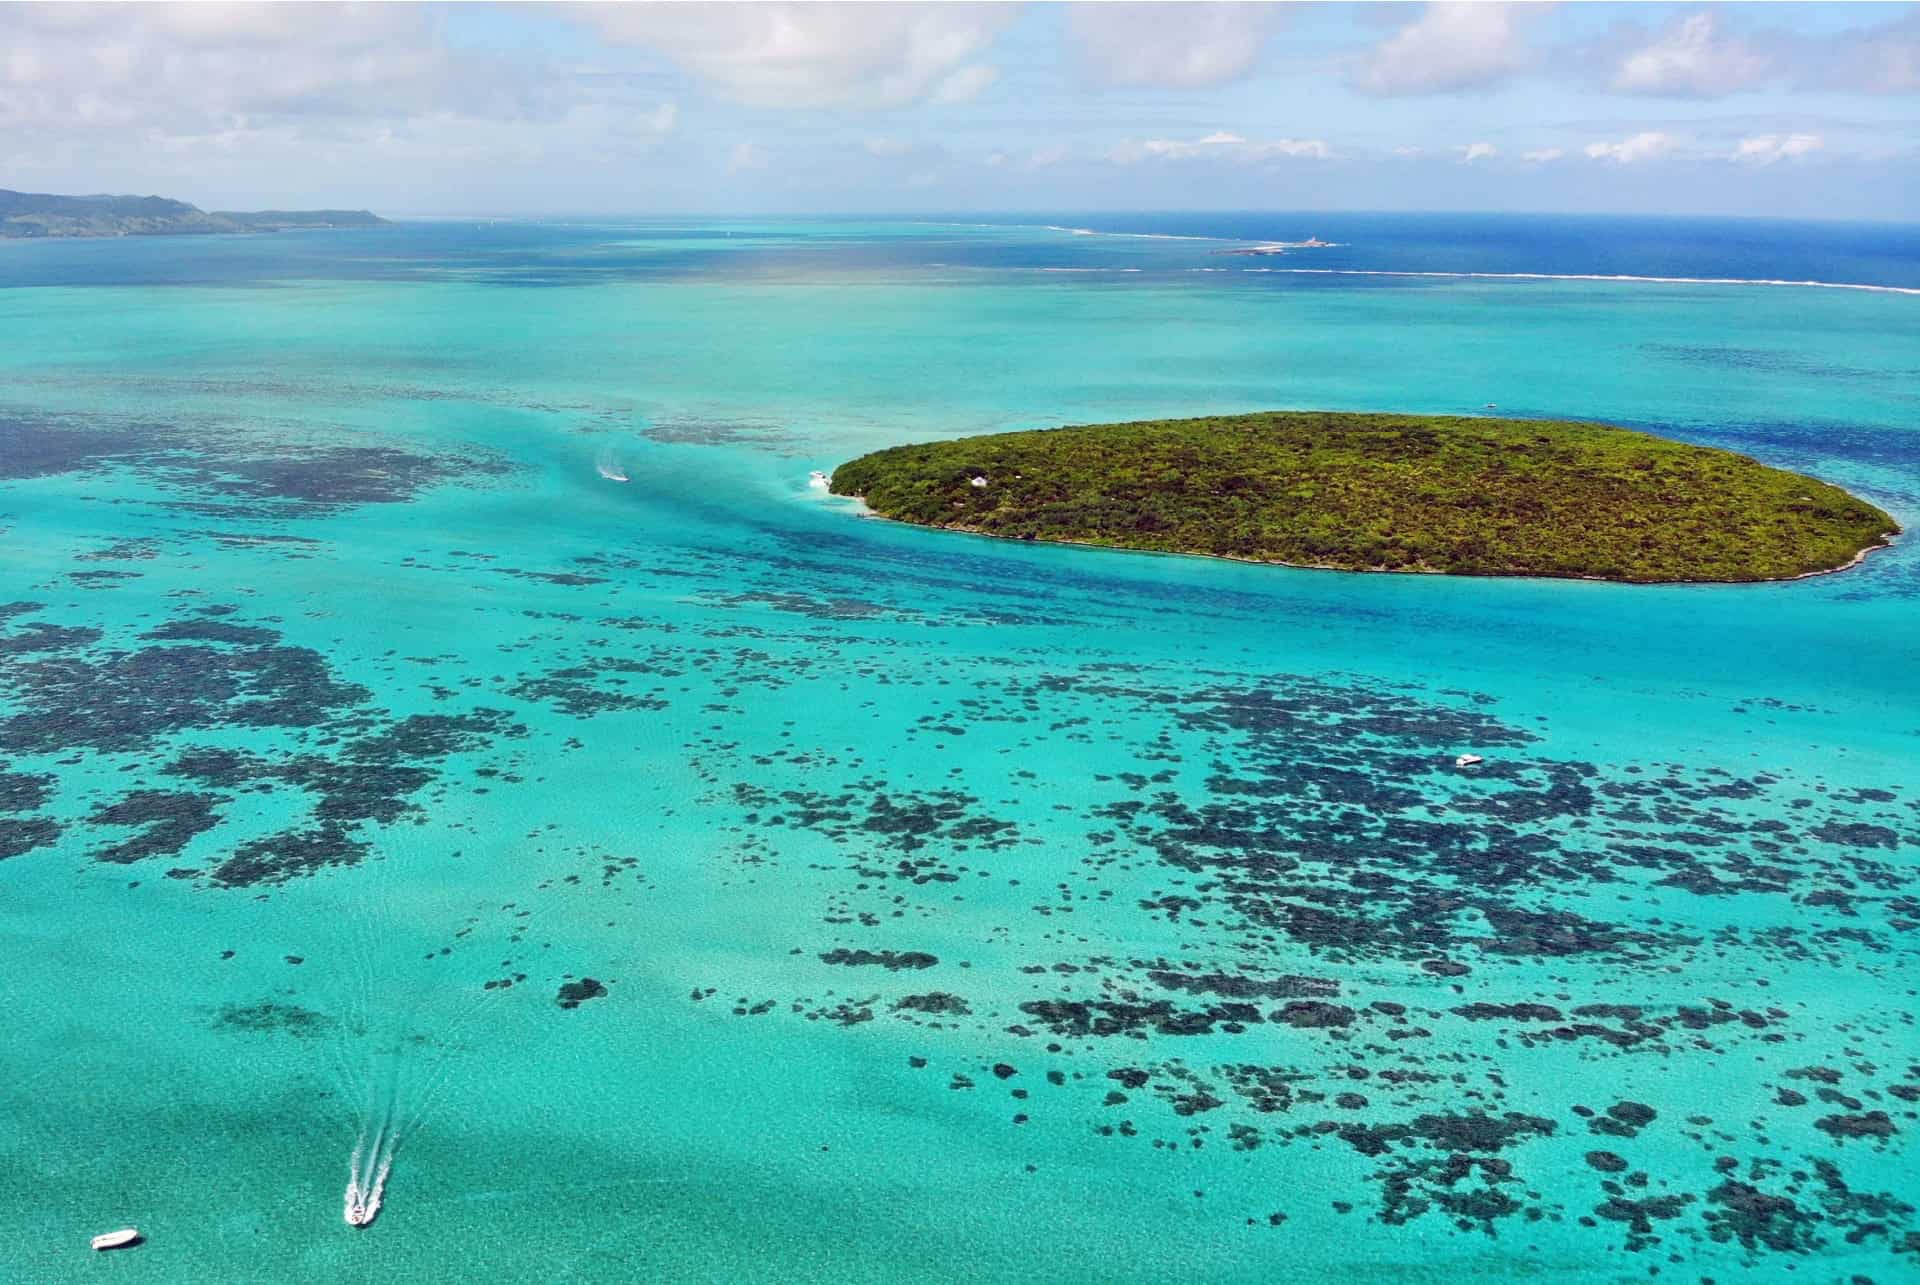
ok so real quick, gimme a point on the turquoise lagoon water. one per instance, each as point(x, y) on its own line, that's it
point(954, 910)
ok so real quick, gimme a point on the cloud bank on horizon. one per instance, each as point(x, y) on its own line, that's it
point(779, 107)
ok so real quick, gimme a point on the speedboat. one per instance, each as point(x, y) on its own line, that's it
point(608, 465)
point(819, 481)
point(1468, 760)
point(362, 1205)
point(116, 1239)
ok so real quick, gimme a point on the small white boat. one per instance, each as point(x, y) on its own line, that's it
point(363, 1205)
point(819, 481)
point(1468, 760)
point(608, 465)
point(116, 1239)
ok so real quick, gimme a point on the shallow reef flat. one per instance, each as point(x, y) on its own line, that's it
point(684, 876)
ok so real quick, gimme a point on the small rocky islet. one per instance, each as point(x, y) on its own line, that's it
point(1384, 492)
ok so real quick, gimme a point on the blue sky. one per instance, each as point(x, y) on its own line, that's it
point(1778, 109)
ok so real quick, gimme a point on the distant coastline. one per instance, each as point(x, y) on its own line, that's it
point(34, 216)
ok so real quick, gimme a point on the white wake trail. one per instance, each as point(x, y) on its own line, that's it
point(607, 463)
point(367, 1178)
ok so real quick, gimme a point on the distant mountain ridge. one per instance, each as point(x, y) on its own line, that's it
point(43, 214)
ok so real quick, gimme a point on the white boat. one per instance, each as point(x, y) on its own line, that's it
point(608, 465)
point(116, 1239)
point(819, 481)
point(362, 1205)
point(1468, 760)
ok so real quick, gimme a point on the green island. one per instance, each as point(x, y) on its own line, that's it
point(1384, 492)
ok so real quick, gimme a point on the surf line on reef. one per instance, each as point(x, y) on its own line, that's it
point(1592, 276)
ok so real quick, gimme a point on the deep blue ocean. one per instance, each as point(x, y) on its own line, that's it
point(448, 747)
point(533, 252)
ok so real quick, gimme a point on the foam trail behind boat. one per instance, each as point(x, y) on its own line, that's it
point(609, 466)
point(367, 1177)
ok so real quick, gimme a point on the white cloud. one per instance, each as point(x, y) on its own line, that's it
point(274, 103)
point(815, 55)
point(1693, 60)
point(1294, 148)
point(1409, 151)
point(966, 84)
point(888, 147)
point(1543, 155)
point(614, 121)
point(1046, 157)
point(1219, 145)
point(1170, 46)
point(196, 69)
point(1450, 46)
point(747, 156)
point(1472, 152)
point(660, 120)
point(1641, 147)
point(1863, 60)
point(1765, 149)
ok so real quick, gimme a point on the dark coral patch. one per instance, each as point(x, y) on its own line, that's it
point(19, 835)
point(1868, 1124)
point(170, 820)
point(124, 700)
point(289, 854)
point(206, 672)
point(274, 1016)
point(24, 791)
point(233, 468)
point(891, 960)
point(574, 994)
point(937, 1002)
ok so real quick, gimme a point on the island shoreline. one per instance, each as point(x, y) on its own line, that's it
point(1383, 491)
point(868, 511)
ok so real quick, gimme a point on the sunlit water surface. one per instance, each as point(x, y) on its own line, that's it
point(439, 721)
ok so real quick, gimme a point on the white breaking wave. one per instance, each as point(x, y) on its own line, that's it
point(1408, 272)
point(1135, 236)
point(1055, 227)
point(1593, 276)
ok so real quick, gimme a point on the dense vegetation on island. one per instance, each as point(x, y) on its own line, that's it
point(1381, 492)
point(39, 214)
